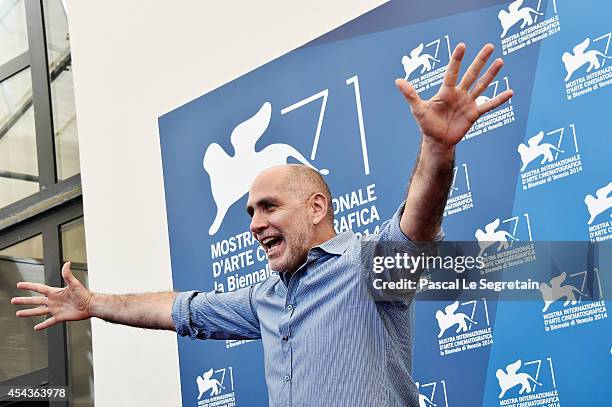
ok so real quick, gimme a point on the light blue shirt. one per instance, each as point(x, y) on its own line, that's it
point(326, 341)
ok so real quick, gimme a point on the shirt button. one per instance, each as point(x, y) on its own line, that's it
point(287, 378)
point(285, 338)
point(289, 307)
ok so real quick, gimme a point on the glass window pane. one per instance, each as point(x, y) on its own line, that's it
point(13, 32)
point(56, 27)
point(18, 157)
point(64, 122)
point(79, 332)
point(15, 95)
point(62, 92)
point(22, 350)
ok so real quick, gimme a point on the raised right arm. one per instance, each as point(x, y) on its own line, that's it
point(75, 302)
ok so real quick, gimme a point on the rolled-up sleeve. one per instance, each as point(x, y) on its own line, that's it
point(390, 243)
point(215, 315)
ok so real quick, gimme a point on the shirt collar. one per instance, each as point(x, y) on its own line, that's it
point(337, 244)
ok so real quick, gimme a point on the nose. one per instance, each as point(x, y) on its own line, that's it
point(258, 223)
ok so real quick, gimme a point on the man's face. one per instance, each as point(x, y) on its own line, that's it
point(280, 220)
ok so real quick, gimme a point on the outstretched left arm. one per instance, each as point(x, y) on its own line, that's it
point(444, 120)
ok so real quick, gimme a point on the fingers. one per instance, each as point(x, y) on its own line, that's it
point(495, 102)
point(474, 70)
point(410, 94)
point(33, 312)
point(46, 324)
point(29, 300)
point(452, 70)
point(487, 78)
point(39, 288)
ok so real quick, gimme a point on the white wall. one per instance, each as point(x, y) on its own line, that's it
point(133, 61)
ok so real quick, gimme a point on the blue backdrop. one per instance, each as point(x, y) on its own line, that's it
point(333, 104)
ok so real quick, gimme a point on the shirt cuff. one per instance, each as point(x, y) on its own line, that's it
point(181, 315)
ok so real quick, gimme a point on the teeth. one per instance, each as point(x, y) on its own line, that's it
point(268, 241)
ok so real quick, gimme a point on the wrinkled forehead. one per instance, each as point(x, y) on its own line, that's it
point(270, 183)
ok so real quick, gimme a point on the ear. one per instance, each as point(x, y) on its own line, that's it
point(318, 207)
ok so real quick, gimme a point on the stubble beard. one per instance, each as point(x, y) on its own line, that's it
point(297, 245)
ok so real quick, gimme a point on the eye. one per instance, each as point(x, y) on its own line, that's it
point(268, 206)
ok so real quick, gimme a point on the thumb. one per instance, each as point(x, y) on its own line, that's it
point(409, 93)
point(67, 274)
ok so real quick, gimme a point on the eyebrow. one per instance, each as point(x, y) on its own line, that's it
point(250, 209)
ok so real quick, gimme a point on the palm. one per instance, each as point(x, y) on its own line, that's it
point(450, 113)
point(69, 303)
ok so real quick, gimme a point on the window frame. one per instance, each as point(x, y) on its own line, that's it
point(55, 204)
point(48, 224)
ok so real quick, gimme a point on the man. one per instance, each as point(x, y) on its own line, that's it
point(325, 343)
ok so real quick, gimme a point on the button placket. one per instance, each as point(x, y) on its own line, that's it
point(286, 331)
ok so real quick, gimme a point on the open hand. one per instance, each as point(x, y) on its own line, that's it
point(70, 303)
point(450, 113)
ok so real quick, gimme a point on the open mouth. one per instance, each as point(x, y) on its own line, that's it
point(272, 244)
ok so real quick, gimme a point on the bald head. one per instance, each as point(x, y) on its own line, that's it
point(301, 182)
point(304, 182)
